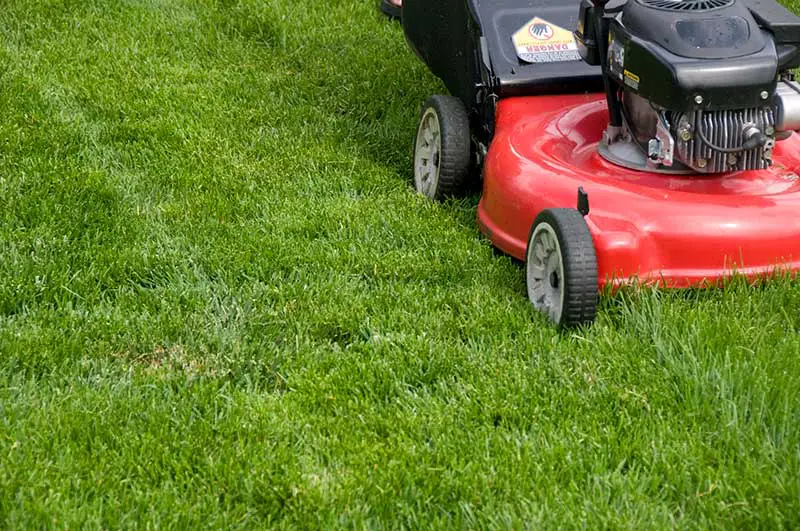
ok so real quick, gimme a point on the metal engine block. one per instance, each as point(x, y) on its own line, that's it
point(665, 141)
point(724, 141)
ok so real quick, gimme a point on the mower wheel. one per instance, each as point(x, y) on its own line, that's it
point(561, 268)
point(442, 149)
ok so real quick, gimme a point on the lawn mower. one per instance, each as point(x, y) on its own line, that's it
point(618, 142)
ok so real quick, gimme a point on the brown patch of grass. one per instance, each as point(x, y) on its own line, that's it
point(165, 361)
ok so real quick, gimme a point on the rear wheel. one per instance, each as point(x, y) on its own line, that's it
point(442, 149)
point(561, 268)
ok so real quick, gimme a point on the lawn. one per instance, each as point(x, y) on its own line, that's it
point(222, 305)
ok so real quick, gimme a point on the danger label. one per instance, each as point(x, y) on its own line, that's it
point(539, 41)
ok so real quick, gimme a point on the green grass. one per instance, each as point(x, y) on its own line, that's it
point(221, 304)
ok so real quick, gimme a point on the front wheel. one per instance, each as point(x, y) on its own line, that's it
point(561, 268)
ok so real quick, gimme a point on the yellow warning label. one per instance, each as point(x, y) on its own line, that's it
point(633, 77)
point(632, 80)
point(539, 41)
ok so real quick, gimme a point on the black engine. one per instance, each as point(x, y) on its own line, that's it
point(694, 85)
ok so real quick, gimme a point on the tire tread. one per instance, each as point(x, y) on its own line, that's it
point(580, 265)
point(455, 160)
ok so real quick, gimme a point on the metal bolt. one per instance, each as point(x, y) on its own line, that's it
point(702, 163)
point(764, 95)
point(699, 99)
point(769, 131)
point(732, 159)
point(686, 135)
point(654, 150)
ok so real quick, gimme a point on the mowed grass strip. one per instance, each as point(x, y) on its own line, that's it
point(221, 304)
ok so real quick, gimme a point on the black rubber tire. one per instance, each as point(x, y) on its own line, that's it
point(455, 158)
point(579, 258)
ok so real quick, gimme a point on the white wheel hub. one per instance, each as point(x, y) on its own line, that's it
point(427, 153)
point(545, 272)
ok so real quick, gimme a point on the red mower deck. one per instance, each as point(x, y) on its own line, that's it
point(674, 231)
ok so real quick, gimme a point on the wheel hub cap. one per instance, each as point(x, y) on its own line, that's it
point(546, 272)
point(428, 154)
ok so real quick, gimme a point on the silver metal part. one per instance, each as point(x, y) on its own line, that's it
point(658, 140)
point(685, 131)
point(613, 134)
point(719, 134)
point(788, 106)
point(629, 154)
point(665, 141)
point(654, 150)
point(660, 150)
point(643, 142)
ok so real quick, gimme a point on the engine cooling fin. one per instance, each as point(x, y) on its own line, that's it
point(723, 148)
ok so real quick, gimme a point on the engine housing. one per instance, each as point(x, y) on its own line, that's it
point(699, 85)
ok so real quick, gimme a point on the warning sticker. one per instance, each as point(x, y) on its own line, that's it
point(540, 41)
point(632, 80)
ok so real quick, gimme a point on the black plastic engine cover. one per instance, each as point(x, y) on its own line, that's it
point(696, 30)
point(685, 58)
